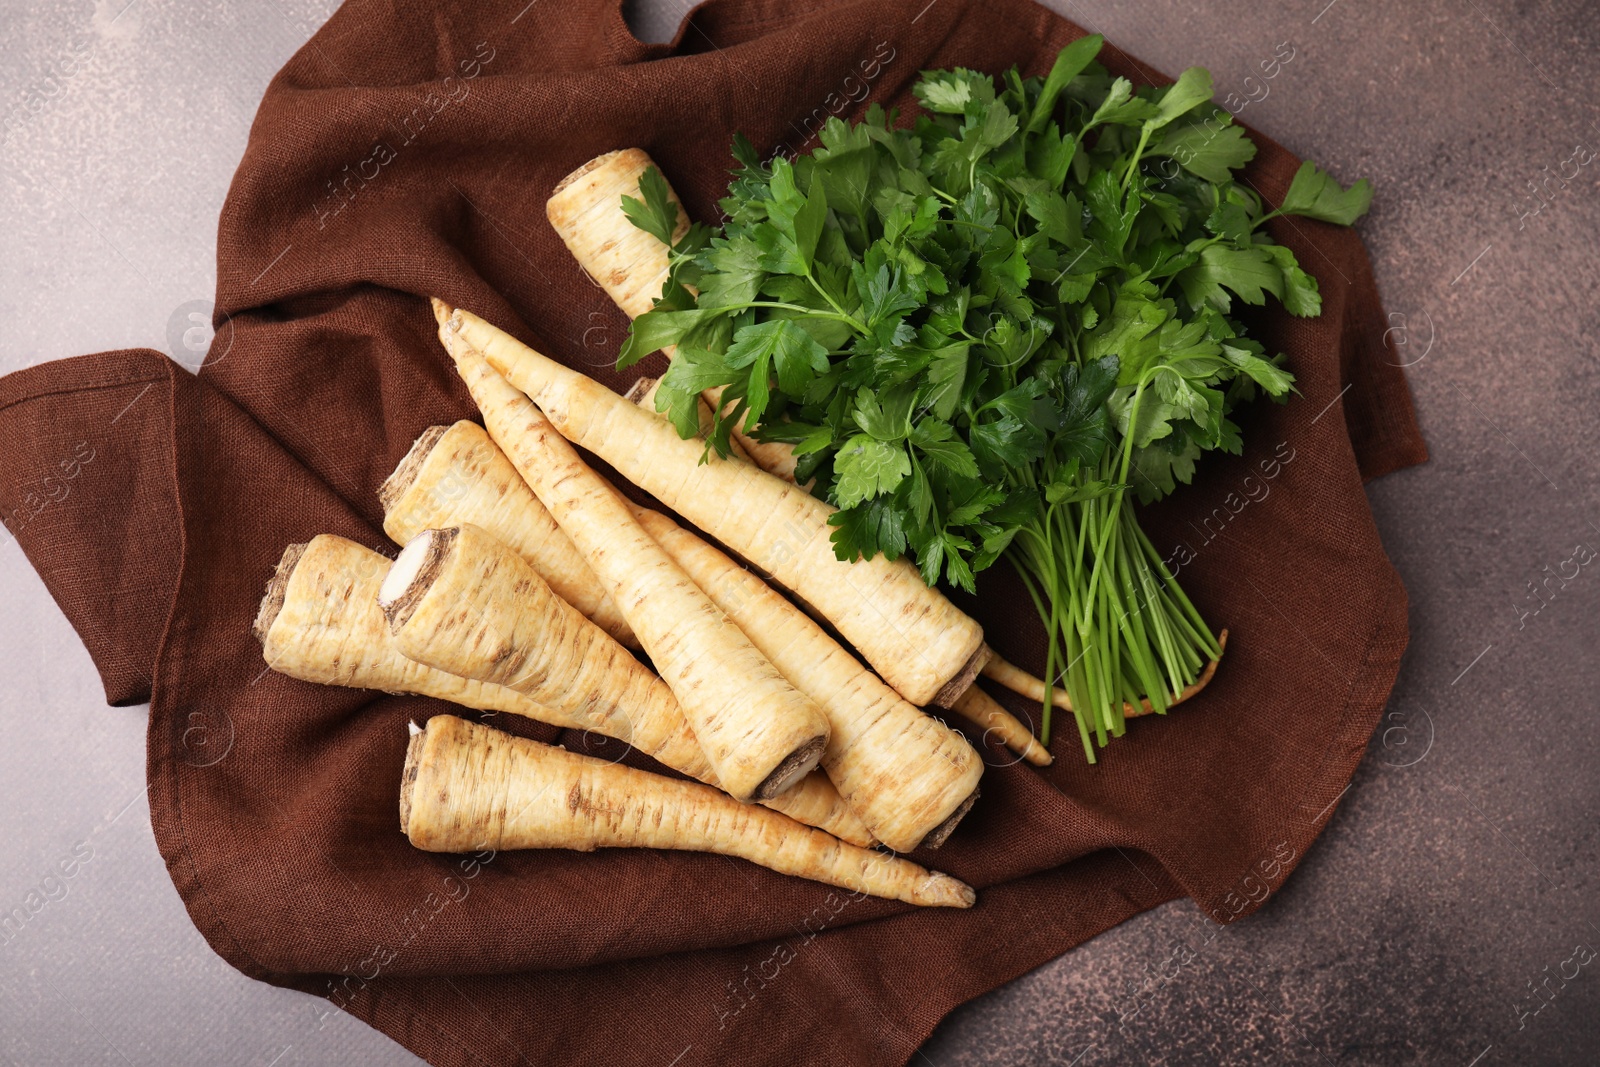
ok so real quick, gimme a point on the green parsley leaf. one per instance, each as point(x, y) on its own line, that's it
point(947, 374)
point(1300, 293)
point(657, 214)
point(1122, 108)
point(954, 92)
point(732, 273)
point(1070, 62)
point(1271, 377)
point(656, 329)
point(1192, 88)
point(1085, 424)
point(1247, 272)
point(785, 346)
point(1315, 195)
point(1211, 149)
point(938, 443)
point(867, 529)
point(867, 467)
point(981, 328)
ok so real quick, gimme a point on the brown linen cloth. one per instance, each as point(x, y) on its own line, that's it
point(408, 150)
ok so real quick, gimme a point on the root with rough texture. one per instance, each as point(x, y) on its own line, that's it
point(468, 787)
point(908, 775)
point(446, 470)
point(655, 724)
point(979, 707)
point(630, 264)
point(911, 634)
point(320, 622)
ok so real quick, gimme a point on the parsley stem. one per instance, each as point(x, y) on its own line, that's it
point(1138, 153)
point(1023, 572)
point(831, 301)
point(1128, 634)
point(812, 312)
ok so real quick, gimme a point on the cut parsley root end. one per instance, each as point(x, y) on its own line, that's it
point(444, 475)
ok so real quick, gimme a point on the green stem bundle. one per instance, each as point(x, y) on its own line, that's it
point(1119, 629)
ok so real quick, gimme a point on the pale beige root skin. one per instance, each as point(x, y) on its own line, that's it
point(456, 471)
point(629, 264)
point(903, 772)
point(911, 634)
point(586, 210)
point(657, 724)
point(408, 776)
point(467, 604)
point(816, 802)
point(748, 718)
point(320, 622)
point(979, 707)
point(472, 787)
point(1021, 682)
point(481, 612)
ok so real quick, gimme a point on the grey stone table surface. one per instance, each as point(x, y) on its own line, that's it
point(1441, 918)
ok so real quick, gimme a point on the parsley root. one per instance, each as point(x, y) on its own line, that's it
point(482, 495)
point(920, 643)
point(461, 600)
point(761, 735)
point(974, 704)
point(468, 787)
point(909, 776)
point(593, 209)
point(320, 622)
point(981, 708)
point(643, 393)
point(448, 463)
point(586, 209)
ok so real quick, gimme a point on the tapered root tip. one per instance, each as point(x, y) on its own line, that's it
point(1211, 668)
point(942, 891)
point(1037, 754)
point(442, 312)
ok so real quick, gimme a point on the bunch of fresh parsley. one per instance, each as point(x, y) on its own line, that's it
point(980, 332)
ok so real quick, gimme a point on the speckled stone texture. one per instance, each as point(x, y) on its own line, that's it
point(1444, 916)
